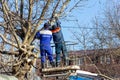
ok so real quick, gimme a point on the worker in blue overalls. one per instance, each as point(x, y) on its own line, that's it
point(45, 36)
point(59, 43)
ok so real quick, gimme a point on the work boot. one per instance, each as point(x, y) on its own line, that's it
point(57, 64)
point(52, 64)
point(42, 65)
point(66, 61)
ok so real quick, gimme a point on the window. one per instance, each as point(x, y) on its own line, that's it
point(71, 62)
point(95, 60)
point(117, 59)
point(102, 59)
point(74, 62)
point(108, 60)
point(81, 61)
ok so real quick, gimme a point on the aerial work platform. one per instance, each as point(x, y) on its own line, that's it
point(64, 71)
point(69, 73)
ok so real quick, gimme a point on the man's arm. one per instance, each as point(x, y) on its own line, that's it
point(37, 36)
point(57, 22)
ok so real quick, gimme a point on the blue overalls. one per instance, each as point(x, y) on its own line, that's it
point(45, 37)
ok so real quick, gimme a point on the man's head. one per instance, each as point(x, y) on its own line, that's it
point(46, 26)
point(54, 27)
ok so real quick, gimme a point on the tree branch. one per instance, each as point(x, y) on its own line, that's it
point(8, 18)
point(16, 5)
point(21, 8)
point(9, 52)
point(63, 7)
point(30, 9)
point(7, 41)
point(39, 22)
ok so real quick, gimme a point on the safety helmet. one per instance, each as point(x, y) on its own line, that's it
point(46, 25)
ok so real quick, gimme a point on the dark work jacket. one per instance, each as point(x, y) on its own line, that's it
point(57, 33)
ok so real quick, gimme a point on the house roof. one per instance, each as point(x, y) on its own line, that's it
point(97, 51)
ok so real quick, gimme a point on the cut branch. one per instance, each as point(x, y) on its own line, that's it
point(9, 52)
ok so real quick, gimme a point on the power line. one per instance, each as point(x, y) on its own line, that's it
point(77, 27)
point(88, 27)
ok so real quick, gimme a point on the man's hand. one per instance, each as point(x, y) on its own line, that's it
point(56, 18)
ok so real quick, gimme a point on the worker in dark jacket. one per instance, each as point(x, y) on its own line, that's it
point(59, 42)
point(45, 36)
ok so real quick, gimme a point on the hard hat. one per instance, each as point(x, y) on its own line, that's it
point(46, 25)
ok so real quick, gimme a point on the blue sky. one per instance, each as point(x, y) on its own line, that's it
point(84, 15)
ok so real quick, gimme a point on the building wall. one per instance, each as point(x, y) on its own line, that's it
point(104, 62)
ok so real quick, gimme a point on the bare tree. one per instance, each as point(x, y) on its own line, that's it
point(19, 22)
point(105, 38)
point(106, 35)
point(107, 28)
